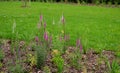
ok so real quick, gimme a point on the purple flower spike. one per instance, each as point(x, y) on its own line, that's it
point(41, 18)
point(36, 39)
point(66, 37)
point(39, 25)
point(62, 19)
point(78, 43)
point(45, 36)
point(81, 48)
point(44, 24)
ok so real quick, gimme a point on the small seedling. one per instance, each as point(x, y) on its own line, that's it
point(41, 56)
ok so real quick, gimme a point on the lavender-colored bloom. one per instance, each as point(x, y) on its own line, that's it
point(41, 18)
point(39, 25)
point(36, 39)
point(81, 47)
point(66, 37)
point(44, 24)
point(78, 44)
point(45, 36)
point(62, 19)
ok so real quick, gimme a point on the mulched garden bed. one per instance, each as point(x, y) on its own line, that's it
point(91, 61)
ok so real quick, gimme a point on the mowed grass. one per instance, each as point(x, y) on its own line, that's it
point(98, 27)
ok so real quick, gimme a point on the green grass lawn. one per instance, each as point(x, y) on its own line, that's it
point(98, 27)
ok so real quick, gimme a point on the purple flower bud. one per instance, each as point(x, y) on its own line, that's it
point(41, 18)
point(62, 19)
point(45, 36)
point(36, 39)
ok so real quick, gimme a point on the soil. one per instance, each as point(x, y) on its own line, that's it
point(90, 62)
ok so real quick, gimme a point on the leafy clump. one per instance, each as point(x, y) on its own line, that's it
point(32, 59)
point(57, 44)
point(59, 62)
point(46, 69)
point(114, 67)
point(16, 68)
point(41, 56)
point(74, 60)
point(74, 57)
